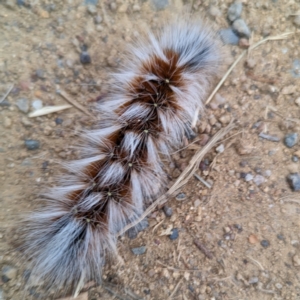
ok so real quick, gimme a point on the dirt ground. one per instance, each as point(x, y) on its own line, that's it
point(248, 222)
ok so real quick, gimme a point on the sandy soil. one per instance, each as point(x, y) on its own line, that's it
point(248, 221)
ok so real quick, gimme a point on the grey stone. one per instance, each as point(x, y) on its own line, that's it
point(241, 28)
point(248, 177)
point(229, 37)
point(37, 104)
point(235, 11)
point(92, 9)
point(32, 144)
point(265, 243)
point(139, 250)
point(174, 235)
point(291, 139)
point(294, 181)
point(40, 73)
point(253, 280)
point(8, 273)
point(259, 179)
point(160, 4)
point(168, 211)
point(180, 197)
point(23, 105)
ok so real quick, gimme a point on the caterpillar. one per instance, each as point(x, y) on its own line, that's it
point(152, 104)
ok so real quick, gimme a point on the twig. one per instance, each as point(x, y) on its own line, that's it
point(7, 93)
point(203, 181)
point(268, 137)
point(175, 289)
point(270, 38)
point(184, 176)
point(203, 249)
point(256, 262)
point(73, 102)
point(178, 270)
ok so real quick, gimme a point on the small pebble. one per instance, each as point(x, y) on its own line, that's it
point(138, 250)
point(278, 286)
point(249, 177)
point(225, 119)
point(160, 4)
point(220, 148)
point(85, 58)
point(297, 101)
point(8, 273)
point(37, 104)
point(168, 211)
point(288, 90)
point(98, 19)
point(58, 121)
point(40, 74)
point(280, 237)
point(234, 11)
point(294, 181)
point(91, 9)
point(180, 197)
point(241, 28)
point(174, 234)
point(229, 37)
point(295, 158)
point(23, 105)
point(253, 280)
point(265, 243)
point(32, 144)
point(253, 239)
point(259, 179)
point(7, 122)
point(296, 260)
point(291, 139)
point(214, 11)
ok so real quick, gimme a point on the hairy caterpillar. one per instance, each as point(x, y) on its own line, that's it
point(151, 106)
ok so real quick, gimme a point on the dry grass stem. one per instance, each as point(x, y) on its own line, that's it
point(74, 103)
point(48, 110)
point(7, 93)
point(269, 38)
point(184, 177)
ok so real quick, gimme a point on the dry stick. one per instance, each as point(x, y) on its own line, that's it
point(176, 288)
point(270, 38)
point(7, 93)
point(187, 173)
point(203, 249)
point(73, 102)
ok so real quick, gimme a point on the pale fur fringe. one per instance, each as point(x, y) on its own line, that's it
point(65, 248)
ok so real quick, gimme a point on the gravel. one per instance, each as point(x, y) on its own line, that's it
point(291, 139)
point(294, 181)
point(85, 58)
point(234, 11)
point(174, 235)
point(229, 37)
point(23, 105)
point(168, 211)
point(8, 273)
point(265, 243)
point(37, 104)
point(249, 177)
point(241, 28)
point(180, 197)
point(139, 250)
point(160, 4)
point(32, 144)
